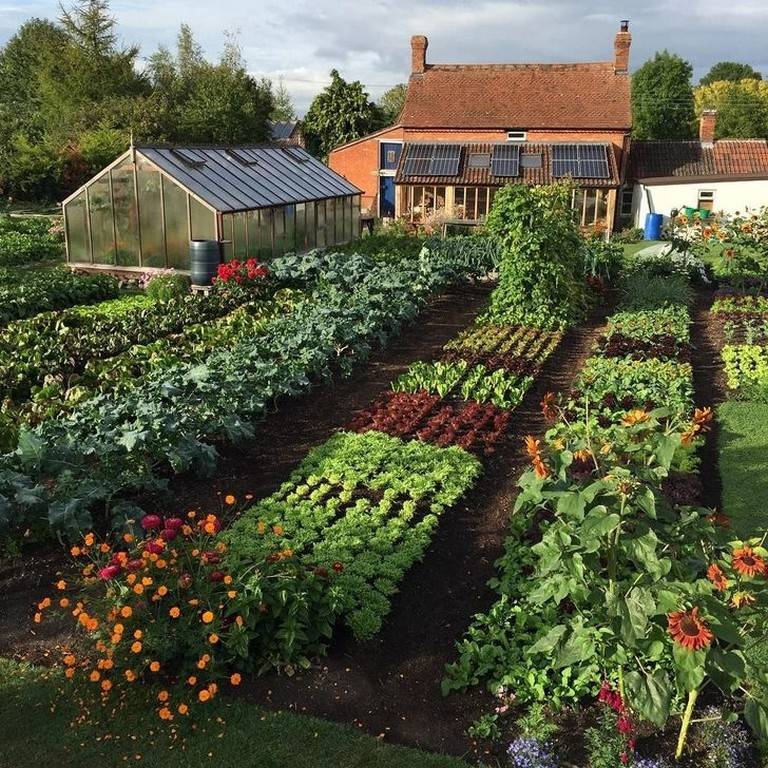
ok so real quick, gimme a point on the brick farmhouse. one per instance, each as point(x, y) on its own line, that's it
point(468, 129)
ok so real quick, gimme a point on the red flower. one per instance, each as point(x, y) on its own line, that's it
point(624, 725)
point(216, 576)
point(169, 534)
point(149, 522)
point(110, 572)
point(211, 557)
point(717, 577)
point(746, 562)
point(174, 523)
point(338, 567)
point(134, 565)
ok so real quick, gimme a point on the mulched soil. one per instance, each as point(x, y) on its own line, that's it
point(389, 687)
point(709, 389)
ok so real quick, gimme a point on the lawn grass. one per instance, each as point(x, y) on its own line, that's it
point(630, 249)
point(744, 465)
point(32, 735)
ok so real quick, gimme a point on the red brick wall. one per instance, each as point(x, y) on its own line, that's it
point(358, 163)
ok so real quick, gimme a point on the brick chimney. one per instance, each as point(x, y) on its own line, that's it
point(707, 125)
point(419, 45)
point(621, 49)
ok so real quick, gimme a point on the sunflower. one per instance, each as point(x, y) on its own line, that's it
point(689, 630)
point(549, 406)
point(532, 446)
point(635, 416)
point(717, 577)
point(740, 599)
point(746, 562)
point(702, 418)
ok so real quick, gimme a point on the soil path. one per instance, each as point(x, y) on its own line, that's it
point(708, 384)
point(390, 687)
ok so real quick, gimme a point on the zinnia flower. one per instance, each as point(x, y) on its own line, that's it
point(746, 562)
point(207, 617)
point(235, 679)
point(717, 577)
point(109, 572)
point(689, 630)
point(229, 499)
point(150, 522)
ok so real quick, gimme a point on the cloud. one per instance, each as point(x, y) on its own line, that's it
point(302, 40)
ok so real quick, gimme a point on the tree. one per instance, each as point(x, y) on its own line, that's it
point(662, 99)
point(90, 26)
point(392, 101)
point(283, 110)
point(742, 107)
point(341, 112)
point(731, 71)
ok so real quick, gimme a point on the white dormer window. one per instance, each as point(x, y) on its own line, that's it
point(517, 135)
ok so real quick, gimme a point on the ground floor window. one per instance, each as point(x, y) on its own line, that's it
point(627, 198)
point(418, 203)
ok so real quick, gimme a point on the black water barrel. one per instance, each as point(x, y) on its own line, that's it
point(204, 260)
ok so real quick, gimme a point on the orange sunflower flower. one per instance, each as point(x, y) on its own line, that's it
point(689, 630)
point(532, 446)
point(549, 406)
point(740, 599)
point(635, 416)
point(746, 562)
point(717, 577)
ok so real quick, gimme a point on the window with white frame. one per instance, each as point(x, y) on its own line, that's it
point(627, 197)
point(517, 135)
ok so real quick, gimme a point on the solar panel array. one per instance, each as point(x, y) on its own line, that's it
point(432, 160)
point(582, 161)
point(506, 160)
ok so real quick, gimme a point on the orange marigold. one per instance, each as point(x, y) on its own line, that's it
point(126, 611)
point(689, 630)
point(204, 695)
point(207, 617)
point(154, 666)
point(136, 647)
point(229, 499)
point(235, 678)
point(175, 612)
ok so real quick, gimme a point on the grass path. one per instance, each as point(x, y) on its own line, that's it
point(37, 731)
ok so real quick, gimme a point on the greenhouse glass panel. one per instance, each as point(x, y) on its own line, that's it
point(126, 216)
point(150, 215)
point(290, 228)
point(203, 220)
point(254, 233)
point(77, 229)
point(301, 227)
point(321, 240)
point(278, 241)
point(102, 222)
point(356, 216)
point(176, 225)
point(310, 227)
point(330, 222)
point(265, 232)
point(241, 236)
point(347, 218)
point(227, 237)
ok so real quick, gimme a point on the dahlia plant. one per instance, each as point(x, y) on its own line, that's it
point(165, 607)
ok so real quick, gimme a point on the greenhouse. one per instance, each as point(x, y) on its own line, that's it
point(142, 211)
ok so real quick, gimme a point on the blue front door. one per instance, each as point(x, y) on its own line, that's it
point(387, 197)
point(389, 158)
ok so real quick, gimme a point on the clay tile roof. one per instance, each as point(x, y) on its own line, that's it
point(481, 177)
point(692, 159)
point(519, 96)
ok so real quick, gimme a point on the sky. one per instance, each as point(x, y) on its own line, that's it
point(368, 40)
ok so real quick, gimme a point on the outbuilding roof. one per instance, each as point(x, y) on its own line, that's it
point(535, 169)
point(695, 160)
point(519, 96)
point(244, 178)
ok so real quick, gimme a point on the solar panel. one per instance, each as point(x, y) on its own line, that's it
point(479, 160)
point(432, 160)
point(582, 161)
point(506, 160)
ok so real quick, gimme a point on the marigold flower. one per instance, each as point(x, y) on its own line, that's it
point(138, 634)
point(95, 676)
point(126, 611)
point(163, 696)
point(128, 538)
point(235, 678)
point(64, 602)
point(136, 647)
point(175, 612)
point(746, 562)
point(278, 530)
point(688, 630)
point(183, 709)
point(37, 618)
point(61, 584)
point(165, 714)
point(89, 539)
point(231, 594)
point(740, 599)
point(154, 666)
point(716, 575)
point(204, 695)
point(138, 589)
point(75, 551)
point(192, 680)
point(106, 685)
point(207, 617)
point(213, 638)
point(239, 621)
point(228, 579)
point(69, 660)
point(229, 499)
point(69, 673)
point(44, 603)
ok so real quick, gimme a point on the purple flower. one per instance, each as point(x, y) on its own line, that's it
point(530, 753)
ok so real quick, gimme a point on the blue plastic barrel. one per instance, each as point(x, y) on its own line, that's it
point(653, 224)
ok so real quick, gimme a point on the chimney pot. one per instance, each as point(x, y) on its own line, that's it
point(419, 45)
point(707, 126)
point(621, 47)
